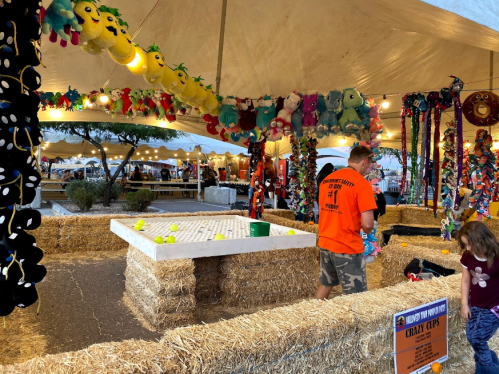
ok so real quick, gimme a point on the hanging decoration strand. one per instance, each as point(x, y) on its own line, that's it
point(428, 151)
point(459, 157)
point(436, 161)
point(422, 159)
point(414, 150)
point(404, 148)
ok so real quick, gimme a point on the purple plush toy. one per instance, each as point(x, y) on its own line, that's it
point(310, 112)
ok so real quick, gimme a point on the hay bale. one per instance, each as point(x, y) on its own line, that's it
point(143, 279)
point(393, 216)
point(493, 225)
point(281, 213)
point(395, 258)
point(207, 287)
point(265, 257)
point(421, 216)
point(162, 270)
point(432, 242)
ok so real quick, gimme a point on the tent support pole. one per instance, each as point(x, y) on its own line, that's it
point(276, 164)
point(198, 176)
point(221, 46)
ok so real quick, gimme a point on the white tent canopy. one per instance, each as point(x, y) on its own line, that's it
point(274, 47)
point(63, 145)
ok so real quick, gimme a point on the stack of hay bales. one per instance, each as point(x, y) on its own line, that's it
point(431, 242)
point(396, 257)
point(90, 233)
point(162, 291)
point(47, 235)
point(349, 334)
point(207, 272)
point(267, 277)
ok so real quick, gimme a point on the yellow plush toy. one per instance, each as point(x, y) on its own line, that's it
point(91, 48)
point(89, 18)
point(169, 80)
point(201, 93)
point(181, 73)
point(126, 60)
point(155, 63)
point(123, 47)
point(211, 101)
point(139, 64)
point(110, 28)
point(190, 87)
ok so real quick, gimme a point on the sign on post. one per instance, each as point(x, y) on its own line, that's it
point(420, 337)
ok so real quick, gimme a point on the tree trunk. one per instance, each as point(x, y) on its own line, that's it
point(106, 200)
point(50, 167)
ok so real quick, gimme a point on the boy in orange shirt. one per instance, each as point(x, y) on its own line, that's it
point(346, 205)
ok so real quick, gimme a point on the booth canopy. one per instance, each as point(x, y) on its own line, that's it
point(62, 145)
point(274, 47)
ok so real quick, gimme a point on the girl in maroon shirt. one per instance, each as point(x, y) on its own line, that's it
point(479, 292)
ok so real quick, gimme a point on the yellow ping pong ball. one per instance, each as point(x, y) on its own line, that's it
point(291, 232)
point(174, 228)
point(170, 239)
point(219, 237)
point(137, 227)
point(159, 240)
point(141, 222)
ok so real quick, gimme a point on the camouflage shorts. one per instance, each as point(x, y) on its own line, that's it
point(347, 270)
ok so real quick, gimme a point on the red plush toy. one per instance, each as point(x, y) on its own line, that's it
point(247, 115)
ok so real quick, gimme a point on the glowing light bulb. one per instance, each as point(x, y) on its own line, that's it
point(150, 157)
point(187, 154)
point(175, 155)
point(155, 151)
point(441, 144)
point(389, 134)
point(79, 155)
point(135, 61)
point(385, 104)
point(379, 136)
point(103, 99)
point(495, 145)
point(87, 103)
point(147, 152)
point(142, 158)
point(55, 113)
point(138, 153)
point(93, 151)
point(343, 141)
point(156, 156)
point(105, 149)
point(163, 124)
point(467, 145)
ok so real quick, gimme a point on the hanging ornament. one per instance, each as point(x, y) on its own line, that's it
point(294, 170)
point(479, 101)
point(427, 141)
point(404, 149)
point(456, 88)
point(483, 164)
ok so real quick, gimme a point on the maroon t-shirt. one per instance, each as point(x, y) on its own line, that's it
point(484, 281)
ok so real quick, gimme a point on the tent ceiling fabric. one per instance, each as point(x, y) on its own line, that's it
point(387, 46)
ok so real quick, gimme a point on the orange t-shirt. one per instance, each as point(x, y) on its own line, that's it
point(344, 195)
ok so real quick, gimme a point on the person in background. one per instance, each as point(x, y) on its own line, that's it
point(123, 183)
point(186, 174)
point(150, 177)
point(75, 176)
point(180, 172)
point(479, 296)
point(66, 178)
point(464, 212)
point(80, 175)
point(209, 176)
point(165, 174)
point(346, 205)
point(325, 171)
point(222, 175)
point(136, 175)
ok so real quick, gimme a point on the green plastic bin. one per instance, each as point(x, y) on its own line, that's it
point(259, 229)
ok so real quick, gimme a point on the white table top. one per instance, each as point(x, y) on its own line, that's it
point(195, 236)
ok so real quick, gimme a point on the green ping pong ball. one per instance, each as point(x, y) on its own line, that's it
point(174, 227)
point(170, 239)
point(159, 240)
point(291, 232)
point(140, 222)
point(219, 237)
point(137, 227)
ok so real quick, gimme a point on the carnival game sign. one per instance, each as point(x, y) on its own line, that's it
point(420, 337)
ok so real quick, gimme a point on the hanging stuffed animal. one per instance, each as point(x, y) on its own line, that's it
point(201, 93)
point(247, 115)
point(109, 33)
point(297, 121)
point(181, 73)
point(349, 120)
point(58, 16)
point(189, 90)
point(155, 65)
point(229, 113)
point(282, 123)
point(265, 112)
point(310, 113)
point(123, 50)
point(116, 98)
point(89, 18)
point(169, 80)
point(328, 122)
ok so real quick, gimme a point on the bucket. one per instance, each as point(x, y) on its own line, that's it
point(259, 229)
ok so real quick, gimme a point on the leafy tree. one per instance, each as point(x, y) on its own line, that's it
point(393, 153)
point(97, 132)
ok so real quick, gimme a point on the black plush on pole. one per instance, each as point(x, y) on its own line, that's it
point(20, 33)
